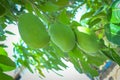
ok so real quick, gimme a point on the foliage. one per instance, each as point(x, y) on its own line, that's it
point(101, 16)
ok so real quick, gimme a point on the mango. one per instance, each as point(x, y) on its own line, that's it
point(62, 36)
point(33, 31)
point(87, 40)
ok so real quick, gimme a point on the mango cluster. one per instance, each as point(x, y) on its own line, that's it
point(35, 34)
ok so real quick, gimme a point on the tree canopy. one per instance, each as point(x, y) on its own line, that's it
point(87, 43)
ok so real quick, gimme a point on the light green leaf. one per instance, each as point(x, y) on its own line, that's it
point(63, 17)
point(116, 12)
point(3, 52)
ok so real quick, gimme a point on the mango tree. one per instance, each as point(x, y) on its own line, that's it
point(50, 34)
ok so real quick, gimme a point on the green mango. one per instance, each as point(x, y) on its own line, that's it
point(87, 40)
point(62, 36)
point(33, 31)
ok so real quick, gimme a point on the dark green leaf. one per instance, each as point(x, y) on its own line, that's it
point(108, 31)
point(113, 33)
point(99, 10)
point(6, 63)
point(106, 53)
point(87, 15)
point(1, 70)
point(1, 31)
point(115, 56)
point(94, 22)
point(88, 69)
point(3, 45)
point(40, 72)
point(9, 32)
point(111, 54)
point(2, 38)
point(5, 77)
point(109, 14)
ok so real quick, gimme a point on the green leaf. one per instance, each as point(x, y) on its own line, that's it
point(9, 32)
point(87, 15)
point(116, 12)
point(2, 10)
point(57, 50)
point(88, 69)
point(94, 22)
point(112, 55)
point(49, 7)
point(99, 10)
point(60, 3)
point(74, 24)
point(3, 52)
point(29, 7)
point(42, 16)
point(5, 77)
point(76, 64)
point(115, 56)
point(25, 63)
point(2, 38)
point(62, 64)
point(97, 60)
point(113, 33)
point(1, 31)
point(3, 45)
point(6, 63)
point(40, 72)
point(106, 53)
point(108, 2)
point(107, 31)
point(1, 70)
point(109, 14)
point(63, 17)
point(97, 18)
point(82, 63)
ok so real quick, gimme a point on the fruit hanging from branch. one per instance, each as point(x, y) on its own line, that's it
point(33, 31)
point(62, 36)
point(87, 40)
